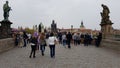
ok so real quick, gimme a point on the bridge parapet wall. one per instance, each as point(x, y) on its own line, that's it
point(6, 44)
point(111, 44)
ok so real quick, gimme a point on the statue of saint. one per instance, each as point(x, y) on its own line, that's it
point(6, 10)
point(41, 27)
point(105, 10)
point(105, 13)
point(53, 26)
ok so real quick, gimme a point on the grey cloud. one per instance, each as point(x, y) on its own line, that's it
point(64, 12)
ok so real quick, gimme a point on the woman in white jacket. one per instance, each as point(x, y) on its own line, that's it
point(52, 42)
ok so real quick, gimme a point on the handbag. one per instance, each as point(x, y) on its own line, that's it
point(55, 41)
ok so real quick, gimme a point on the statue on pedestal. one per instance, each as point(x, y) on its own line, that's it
point(6, 10)
point(5, 28)
point(53, 26)
point(106, 24)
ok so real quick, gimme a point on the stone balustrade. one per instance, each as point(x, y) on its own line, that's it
point(6, 44)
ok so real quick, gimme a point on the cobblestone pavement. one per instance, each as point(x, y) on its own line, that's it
point(76, 57)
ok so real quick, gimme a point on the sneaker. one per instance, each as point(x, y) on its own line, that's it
point(42, 54)
point(33, 56)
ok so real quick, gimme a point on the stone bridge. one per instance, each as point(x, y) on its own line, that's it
point(77, 57)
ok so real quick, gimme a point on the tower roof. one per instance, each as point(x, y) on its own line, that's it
point(82, 25)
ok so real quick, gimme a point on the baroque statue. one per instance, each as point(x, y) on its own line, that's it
point(6, 10)
point(106, 24)
point(41, 27)
point(53, 26)
point(5, 27)
point(105, 14)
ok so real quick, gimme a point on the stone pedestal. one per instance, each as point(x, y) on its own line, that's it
point(107, 29)
point(5, 29)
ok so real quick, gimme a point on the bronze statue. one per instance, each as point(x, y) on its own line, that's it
point(6, 10)
point(41, 27)
point(53, 26)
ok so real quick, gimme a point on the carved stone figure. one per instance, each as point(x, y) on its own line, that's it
point(105, 14)
point(105, 10)
point(6, 10)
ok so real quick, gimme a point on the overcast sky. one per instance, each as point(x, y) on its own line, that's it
point(27, 13)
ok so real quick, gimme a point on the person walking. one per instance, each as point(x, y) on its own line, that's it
point(78, 39)
point(42, 43)
point(86, 39)
point(17, 39)
point(21, 40)
point(64, 40)
point(74, 37)
point(33, 43)
point(25, 37)
point(52, 42)
point(69, 37)
point(98, 39)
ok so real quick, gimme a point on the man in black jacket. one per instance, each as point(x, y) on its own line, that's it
point(69, 37)
point(98, 40)
point(25, 37)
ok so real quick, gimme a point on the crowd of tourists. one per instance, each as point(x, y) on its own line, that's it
point(38, 41)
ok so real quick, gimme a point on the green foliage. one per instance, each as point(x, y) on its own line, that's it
point(31, 31)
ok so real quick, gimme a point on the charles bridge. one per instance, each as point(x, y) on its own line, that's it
point(106, 56)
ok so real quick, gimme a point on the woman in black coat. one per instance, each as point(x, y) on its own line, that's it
point(33, 43)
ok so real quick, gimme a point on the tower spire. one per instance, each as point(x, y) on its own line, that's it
point(82, 25)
